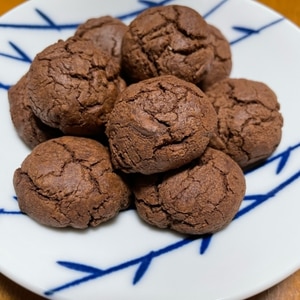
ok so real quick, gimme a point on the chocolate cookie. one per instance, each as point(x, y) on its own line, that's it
point(249, 120)
point(29, 127)
point(164, 40)
point(222, 63)
point(202, 197)
point(73, 86)
point(69, 182)
point(159, 124)
point(106, 32)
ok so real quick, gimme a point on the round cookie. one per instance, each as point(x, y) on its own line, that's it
point(249, 120)
point(159, 124)
point(222, 63)
point(69, 182)
point(73, 86)
point(165, 40)
point(29, 127)
point(106, 32)
point(202, 197)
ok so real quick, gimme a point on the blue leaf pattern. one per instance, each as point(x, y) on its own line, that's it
point(143, 267)
point(22, 56)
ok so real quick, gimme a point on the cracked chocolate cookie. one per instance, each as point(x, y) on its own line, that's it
point(28, 126)
point(106, 32)
point(159, 124)
point(222, 63)
point(202, 197)
point(165, 40)
point(69, 182)
point(73, 86)
point(249, 120)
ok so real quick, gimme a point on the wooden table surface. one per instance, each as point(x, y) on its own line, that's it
point(289, 289)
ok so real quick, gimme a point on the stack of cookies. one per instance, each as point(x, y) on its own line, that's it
point(145, 113)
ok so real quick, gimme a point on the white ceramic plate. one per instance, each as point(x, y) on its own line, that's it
point(126, 259)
